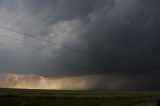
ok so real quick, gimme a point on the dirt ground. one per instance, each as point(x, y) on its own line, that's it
point(146, 104)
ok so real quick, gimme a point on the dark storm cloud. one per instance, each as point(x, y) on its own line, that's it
point(126, 37)
point(121, 37)
point(66, 9)
point(124, 34)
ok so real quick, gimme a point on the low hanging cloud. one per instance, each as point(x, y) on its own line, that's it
point(48, 40)
point(91, 82)
point(70, 83)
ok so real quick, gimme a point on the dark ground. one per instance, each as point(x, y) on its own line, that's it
point(17, 97)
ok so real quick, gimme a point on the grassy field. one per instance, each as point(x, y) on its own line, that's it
point(15, 97)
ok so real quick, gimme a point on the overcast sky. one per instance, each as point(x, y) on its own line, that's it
point(106, 44)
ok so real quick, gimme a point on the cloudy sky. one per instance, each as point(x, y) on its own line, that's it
point(80, 44)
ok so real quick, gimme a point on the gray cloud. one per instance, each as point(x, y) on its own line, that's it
point(121, 37)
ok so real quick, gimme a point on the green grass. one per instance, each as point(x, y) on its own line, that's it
point(15, 97)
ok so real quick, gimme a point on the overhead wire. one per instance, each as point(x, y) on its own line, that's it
point(98, 60)
point(60, 45)
point(31, 45)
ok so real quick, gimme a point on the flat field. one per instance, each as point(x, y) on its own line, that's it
point(23, 97)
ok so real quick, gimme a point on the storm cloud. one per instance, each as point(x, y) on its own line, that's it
point(75, 38)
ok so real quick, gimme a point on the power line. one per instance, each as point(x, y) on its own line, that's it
point(6, 38)
point(35, 37)
point(99, 60)
point(15, 44)
point(11, 39)
point(29, 44)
